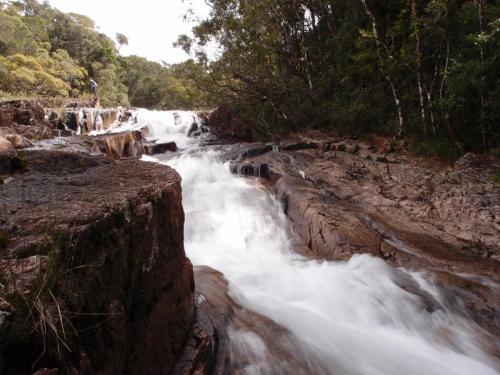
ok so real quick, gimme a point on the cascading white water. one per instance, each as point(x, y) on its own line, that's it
point(352, 315)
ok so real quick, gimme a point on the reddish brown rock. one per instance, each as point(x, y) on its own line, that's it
point(116, 287)
point(5, 145)
point(17, 140)
point(345, 199)
point(117, 145)
point(153, 148)
point(279, 351)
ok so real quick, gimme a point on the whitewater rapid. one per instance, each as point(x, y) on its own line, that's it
point(352, 315)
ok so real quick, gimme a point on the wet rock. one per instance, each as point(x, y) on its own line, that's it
point(114, 146)
point(46, 371)
point(278, 351)
point(344, 199)
point(118, 145)
point(256, 150)
point(6, 311)
point(250, 169)
point(116, 271)
point(85, 120)
point(194, 130)
point(295, 146)
point(153, 148)
point(200, 353)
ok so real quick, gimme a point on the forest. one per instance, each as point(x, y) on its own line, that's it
point(48, 53)
point(422, 70)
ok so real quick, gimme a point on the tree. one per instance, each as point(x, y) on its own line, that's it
point(122, 40)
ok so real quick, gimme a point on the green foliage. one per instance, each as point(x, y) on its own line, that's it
point(437, 147)
point(50, 74)
point(428, 68)
point(496, 177)
point(47, 52)
point(18, 164)
point(4, 239)
point(160, 86)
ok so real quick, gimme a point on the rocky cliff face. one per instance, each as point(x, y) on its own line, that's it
point(94, 278)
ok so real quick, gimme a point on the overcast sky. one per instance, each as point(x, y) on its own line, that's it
point(150, 25)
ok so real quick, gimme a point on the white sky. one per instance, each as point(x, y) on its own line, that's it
point(151, 26)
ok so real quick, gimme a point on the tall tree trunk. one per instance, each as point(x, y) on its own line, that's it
point(383, 70)
point(480, 4)
point(418, 47)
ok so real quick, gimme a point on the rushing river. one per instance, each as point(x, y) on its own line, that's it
point(352, 315)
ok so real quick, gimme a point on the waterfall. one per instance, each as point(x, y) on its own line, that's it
point(354, 316)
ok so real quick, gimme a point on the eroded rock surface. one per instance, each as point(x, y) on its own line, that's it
point(23, 122)
point(94, 278)
point(246, 340)
point(345, 197)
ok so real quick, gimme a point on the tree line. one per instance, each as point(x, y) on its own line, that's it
point(46, 52)
point(423, 69)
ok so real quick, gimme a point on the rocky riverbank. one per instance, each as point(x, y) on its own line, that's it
point(93, 273)
point(347, 197)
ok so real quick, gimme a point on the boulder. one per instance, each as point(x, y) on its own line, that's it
point(153, 148)
point(116, 145)
point(39, 131)
point(113, 285)
point(17, 140)
point(5, 145)
point(24, 117)
point(25, 112)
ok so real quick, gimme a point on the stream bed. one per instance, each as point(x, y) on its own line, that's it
point(350, 317)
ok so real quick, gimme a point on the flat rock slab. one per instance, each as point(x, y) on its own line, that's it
point(115, 146)
point(98, 244)
point(59, 189)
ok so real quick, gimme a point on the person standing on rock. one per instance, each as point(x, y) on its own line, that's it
point(93, 87)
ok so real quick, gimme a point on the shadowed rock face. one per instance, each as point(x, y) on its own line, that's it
point(153, 148)
point(246, 338)
point(95, 249)
point(344, 198)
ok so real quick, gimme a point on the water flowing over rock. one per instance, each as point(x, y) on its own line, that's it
point(345, 309)
point(358, 262)
point(86, 120)
point(344, 199)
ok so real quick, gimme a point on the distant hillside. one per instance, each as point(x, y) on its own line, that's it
point(45, 52)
